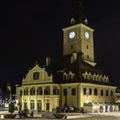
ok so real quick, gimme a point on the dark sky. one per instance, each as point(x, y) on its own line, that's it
point(32, 30)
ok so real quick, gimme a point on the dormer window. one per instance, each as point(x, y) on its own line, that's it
point(64, 77)
point(35, 75)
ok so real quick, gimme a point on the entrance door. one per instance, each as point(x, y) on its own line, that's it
point(47, 107)
point(32, 104)
point(39, 105)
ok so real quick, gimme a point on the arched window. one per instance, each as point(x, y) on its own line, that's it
point(90, 76)
point(64, 77)
point(107, 79)
point(106, 92)
point(85, 75)
point(26, 91)
point(104, 78)
point(55, 91)
point(32, 91)
point(97, 77)
point(95, 91)
point(94, 76)
point(70, 75)
point(39, 91)
point(47, 90)
point(100, 77)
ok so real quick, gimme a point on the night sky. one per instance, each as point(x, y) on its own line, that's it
point(32, 30)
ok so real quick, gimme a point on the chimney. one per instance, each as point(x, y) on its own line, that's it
point(74, 56)
point(48, 61)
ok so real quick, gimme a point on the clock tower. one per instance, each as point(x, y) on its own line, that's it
point(78, 37)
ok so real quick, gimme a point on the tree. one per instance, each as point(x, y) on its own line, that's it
point(11, 107)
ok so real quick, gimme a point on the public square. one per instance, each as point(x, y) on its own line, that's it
point(79, 116)
point(96, 116)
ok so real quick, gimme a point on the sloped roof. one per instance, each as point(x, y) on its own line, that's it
point(78, 67)
point(36, 67)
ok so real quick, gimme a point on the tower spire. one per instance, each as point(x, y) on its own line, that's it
point(78, 14)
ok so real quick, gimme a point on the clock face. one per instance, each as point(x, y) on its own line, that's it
point(72, 35)
point(87, 35)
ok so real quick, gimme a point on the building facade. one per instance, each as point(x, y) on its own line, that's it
point(74, 80)
point(38, 92)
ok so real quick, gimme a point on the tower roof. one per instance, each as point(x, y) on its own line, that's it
point(78, 14)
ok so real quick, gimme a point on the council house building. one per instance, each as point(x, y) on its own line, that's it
point(73, 80)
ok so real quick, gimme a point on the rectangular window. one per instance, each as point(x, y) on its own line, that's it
point(35, 75)
point(90, 91)
point(73, 91)
point(87, 46)
point(84, 91)
point(65, 92)
point(111, 93)
point(101, 92)
point(106, 92)
point(95, 91)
